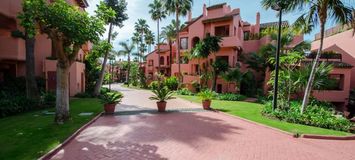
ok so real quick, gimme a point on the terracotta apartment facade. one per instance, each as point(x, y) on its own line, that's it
point(238, 37)
point(12, 51)
point(241, 37)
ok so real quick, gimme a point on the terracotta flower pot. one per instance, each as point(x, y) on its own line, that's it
point(206, 104)
point(110, 108)
point(161, 106)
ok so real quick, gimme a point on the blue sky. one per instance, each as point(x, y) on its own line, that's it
point(139, 9)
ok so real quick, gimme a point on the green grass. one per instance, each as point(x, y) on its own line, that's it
point(31, 135)
point(252, 111)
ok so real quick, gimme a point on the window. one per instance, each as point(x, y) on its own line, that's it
point(222, 31)
point(223, 58)
point(184, 43)
point(161, 60)
point(150, 63)
point(246, 35)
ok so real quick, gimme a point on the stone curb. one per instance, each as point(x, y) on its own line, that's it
point(55, 150)
point(324, 137)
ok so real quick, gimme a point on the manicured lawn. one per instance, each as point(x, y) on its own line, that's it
point(252, 111)
point(31, 135)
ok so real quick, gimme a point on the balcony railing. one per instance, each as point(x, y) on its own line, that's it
point(12, 48)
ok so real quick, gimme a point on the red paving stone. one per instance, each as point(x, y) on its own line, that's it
point(195, 136)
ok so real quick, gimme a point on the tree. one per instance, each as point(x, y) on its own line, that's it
point(157, 14)
point(128, 50)
point(219, 66)
point(69, 29)
point(92, 64)
point(233, 75)
point(149, 40)
point(169, 34)
point(179, 7)
point(316, 12)
point(142, 28)
point(119, 7)
point(30, 9)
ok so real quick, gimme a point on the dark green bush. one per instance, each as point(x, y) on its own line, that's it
point(84, 95)
point(314, 115)
point(48, 98)
point(184, 91)
point(231, 97)
point(172, 83)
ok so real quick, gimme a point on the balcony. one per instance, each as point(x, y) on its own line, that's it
point(331, 95)
point(12, 48)
point(231, 42)
point(185, 68)
point(190, 78)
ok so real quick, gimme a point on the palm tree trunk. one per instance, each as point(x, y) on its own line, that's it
point(214, 81)
point(62, 104)
point(128, 68)
point(158, 47)
point(170, 54)
point(178, 42)
point(308, 90)
point(103, 67)
point(31, 84)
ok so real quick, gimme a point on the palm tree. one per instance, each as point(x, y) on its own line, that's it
point(119, 6)
point(157, 13)
point(179, 7)
point(169, 34)
point(317, 12)
point(141, 28)
point(128, 50)
point(219, 66)
point(149, 40)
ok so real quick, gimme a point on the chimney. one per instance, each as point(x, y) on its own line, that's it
point(258, 18)
point(189, 16)
point(204, 10)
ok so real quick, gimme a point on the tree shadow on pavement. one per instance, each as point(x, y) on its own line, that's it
point(112, 150)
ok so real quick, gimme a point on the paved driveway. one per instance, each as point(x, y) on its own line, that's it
point(197, 135)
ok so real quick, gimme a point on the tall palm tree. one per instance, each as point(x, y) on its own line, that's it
point(317, 12)
point(149, 40)
point(157, 14)
point(169, 34)
point(142, 28)
point(179, 7)
point(127, 50)
point(120, 7)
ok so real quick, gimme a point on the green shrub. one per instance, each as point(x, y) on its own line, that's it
point(314, 115)
point(48, 98)
point(231, 97)
point(104, 90)
point(207, 95)
point(184, 91)
point(111, 97)
point(172, 83)
point(84, 95)
point(154, 85)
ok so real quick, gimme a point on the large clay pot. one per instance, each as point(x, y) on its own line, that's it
point(110, 108)
point(161, 106)
point(206, 104)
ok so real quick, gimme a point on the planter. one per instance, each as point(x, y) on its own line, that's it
point(206, 104)
point(161, 106)
point(110, 108)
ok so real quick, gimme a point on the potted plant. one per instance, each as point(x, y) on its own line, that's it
point(162, 94)
point(110, 100)
point(206, 96)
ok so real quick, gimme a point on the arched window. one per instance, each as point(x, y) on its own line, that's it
point(194, 41)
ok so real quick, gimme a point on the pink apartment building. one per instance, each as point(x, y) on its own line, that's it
point(12, 50)
point(239, 37)
point(341, 41)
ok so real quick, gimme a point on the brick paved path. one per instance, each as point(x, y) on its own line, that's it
point(192, 135)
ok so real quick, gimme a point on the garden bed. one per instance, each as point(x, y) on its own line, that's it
point(252, 111)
